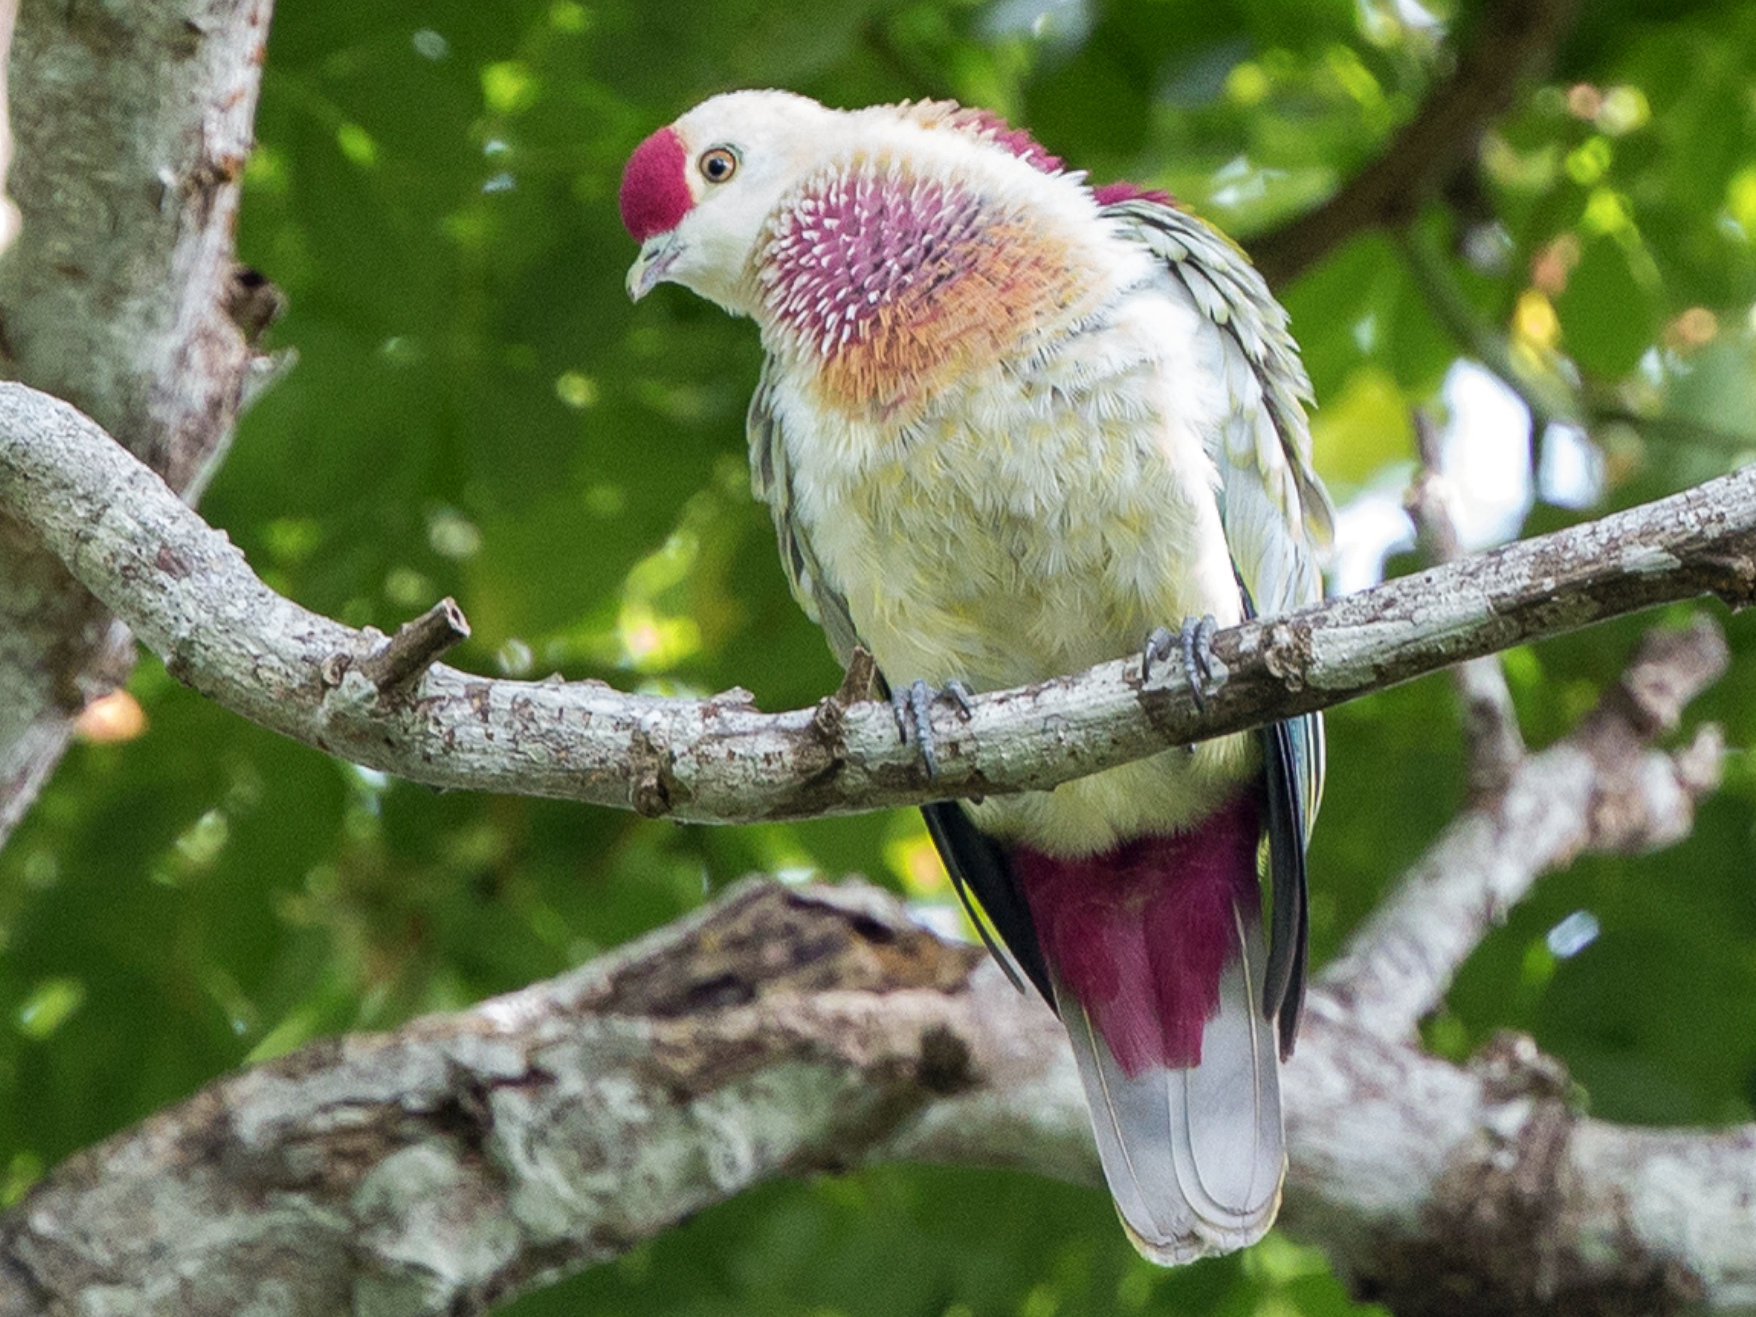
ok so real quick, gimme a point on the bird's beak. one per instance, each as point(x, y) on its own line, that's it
point(657, 255)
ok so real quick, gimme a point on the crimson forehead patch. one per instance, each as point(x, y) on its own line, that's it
point(655, 193)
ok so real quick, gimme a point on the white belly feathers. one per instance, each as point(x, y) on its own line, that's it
point(1042, 517)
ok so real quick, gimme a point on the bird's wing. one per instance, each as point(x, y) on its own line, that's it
point(976, 863)
point(771, 481)
point(1277, 519)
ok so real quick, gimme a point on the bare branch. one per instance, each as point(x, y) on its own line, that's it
point(190, 597)
point(1513, 40)
point(9, 220)
point(1598, 790)
point(465, 1157)
point(1493, 743)
point(1439, 1189)
point(415, 647)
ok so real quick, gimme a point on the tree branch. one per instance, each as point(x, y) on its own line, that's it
point(414, 648)
point(785, 1030)
point(191, 598)
point(9, 220)
point(1493, 742)
point(1513, 40)
point(1590, 792)
point(130, 125)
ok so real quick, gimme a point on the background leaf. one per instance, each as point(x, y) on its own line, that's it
point(476, 410)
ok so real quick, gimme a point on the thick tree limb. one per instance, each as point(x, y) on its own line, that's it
point(190, 597)
point(1511, 41)
point(130, 125)
point(784, 1031)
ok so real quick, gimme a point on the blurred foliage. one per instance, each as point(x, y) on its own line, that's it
point(476, 410)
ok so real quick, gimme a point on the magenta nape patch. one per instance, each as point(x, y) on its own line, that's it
point(1111, 193)
point(655, 190)
point(1016, 140)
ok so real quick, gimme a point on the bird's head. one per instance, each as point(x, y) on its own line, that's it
point(697, 194)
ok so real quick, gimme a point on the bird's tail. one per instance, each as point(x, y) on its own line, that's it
point(1156, 955)
point(1194, 1154)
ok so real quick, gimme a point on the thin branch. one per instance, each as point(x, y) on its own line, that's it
point(192, 599)
point(414, 648)
point(1513, 40)
point(9, 221)
point(1493, 742)
point(781, 1031)
point(1494, 745)
point(1589, 792)
point(1549, 398)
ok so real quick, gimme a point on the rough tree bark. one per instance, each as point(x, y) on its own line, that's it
point(192, 599)
point(130, 126)
point(782, 1031)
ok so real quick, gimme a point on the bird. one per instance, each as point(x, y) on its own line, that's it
point(1011, 424)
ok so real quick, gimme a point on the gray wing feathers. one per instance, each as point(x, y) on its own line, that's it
point(1264, 453)
point(1194, 1157)
point(1308, 759)
point(771, 482)
point(1278, 519)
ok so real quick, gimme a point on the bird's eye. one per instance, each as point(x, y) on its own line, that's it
point(717, 164)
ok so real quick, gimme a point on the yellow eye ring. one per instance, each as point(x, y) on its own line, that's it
point(717, 164)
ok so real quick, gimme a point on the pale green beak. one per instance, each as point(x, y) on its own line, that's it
point(657, 254)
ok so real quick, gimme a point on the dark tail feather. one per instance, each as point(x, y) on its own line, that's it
point(1283, 992)
point(977, 864)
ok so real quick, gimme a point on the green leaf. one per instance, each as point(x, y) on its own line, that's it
point(1609, 317)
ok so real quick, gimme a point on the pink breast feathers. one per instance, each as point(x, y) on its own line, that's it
point(1141, 934)
point(899, 284)
point(862, 243)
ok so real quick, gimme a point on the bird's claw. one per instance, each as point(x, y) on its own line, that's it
point(913, 707)
point(1193, 644)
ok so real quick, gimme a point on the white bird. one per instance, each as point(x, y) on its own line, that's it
point(1009, 426)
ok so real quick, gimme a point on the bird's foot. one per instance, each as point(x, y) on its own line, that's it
point(1194, 646)
point(913, 706)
